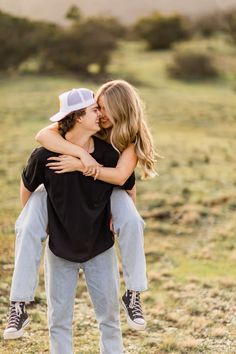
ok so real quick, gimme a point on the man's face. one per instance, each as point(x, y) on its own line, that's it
point(90, 121)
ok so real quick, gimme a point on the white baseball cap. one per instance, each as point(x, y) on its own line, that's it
point(73, 100)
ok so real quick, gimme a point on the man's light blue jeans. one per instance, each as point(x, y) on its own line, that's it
point(31, 228)
point(102, 279)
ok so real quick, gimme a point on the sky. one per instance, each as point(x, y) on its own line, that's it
point(126, 11)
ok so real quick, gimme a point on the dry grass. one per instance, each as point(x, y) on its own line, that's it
point(189, 211)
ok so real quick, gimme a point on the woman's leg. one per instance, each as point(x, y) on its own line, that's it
point(61, 278)
point(30, 228)
point(129, 226)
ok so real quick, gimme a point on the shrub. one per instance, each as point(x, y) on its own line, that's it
point(22, 39)
point(16, 41)
point(231, 21)
point(209, 24)
point(162, 31)
point(220, 21)
point(86, 42)
point(190, 65)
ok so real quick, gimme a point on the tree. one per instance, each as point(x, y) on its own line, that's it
point(161, 31)
point(87, 42)
point(21, 39)
point(231, 25)
point(74, 14)
point(16, 44)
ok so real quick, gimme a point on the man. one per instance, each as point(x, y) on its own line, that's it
point(80, 236)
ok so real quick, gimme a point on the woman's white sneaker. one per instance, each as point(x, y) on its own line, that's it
point(132, 305)
point(17, 321)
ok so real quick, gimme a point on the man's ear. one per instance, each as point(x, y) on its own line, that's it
point(78, 119)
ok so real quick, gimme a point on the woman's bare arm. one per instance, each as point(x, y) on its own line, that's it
point(50, 138)
point(124, 168)
point(114, 175)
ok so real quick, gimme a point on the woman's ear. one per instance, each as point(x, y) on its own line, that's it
point(78, 119)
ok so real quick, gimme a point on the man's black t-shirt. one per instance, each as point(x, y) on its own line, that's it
point(78, 206)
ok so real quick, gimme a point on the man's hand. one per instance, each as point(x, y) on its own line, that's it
point(112, 226)
point(24, 194)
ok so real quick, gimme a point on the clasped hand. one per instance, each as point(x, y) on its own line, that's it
point(65, 163)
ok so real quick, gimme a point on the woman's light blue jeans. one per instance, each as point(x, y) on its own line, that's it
point(31, 228)
point(102, 279)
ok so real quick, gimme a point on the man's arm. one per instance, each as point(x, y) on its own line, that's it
point(24, 194)
point(33, 174)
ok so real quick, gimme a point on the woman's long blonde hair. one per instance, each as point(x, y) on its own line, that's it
point(125, 110)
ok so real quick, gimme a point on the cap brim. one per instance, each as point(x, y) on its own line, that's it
point(58, 116)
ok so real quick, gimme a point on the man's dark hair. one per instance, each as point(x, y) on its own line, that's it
point(69, 121)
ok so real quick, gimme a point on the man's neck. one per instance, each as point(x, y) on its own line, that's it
point(79, 137)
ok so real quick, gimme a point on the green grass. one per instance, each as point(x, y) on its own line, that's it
point(191, 253)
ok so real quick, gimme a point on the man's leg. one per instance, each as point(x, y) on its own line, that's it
point(61, 278)
point(129, 226)
point(102, 278)
point(30, 232)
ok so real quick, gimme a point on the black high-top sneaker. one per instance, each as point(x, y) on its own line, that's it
point(17, 321)
point(132, 305)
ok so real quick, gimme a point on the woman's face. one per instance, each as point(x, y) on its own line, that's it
point(105, 122)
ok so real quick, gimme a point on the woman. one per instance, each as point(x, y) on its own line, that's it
point(123, 125)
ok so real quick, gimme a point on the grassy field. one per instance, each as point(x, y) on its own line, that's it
point(189, 209)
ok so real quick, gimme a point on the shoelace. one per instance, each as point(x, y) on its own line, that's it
point(135, 304)
point(14, 317)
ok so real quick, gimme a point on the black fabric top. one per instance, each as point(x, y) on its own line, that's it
point(78, 206)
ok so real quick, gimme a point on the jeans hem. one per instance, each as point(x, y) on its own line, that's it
point(136, 289)
point(22, 299)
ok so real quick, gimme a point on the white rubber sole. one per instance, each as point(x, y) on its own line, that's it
point(133, 325)
point(16, 334)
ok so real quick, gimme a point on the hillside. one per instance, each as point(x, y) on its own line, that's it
point(189, 210)
point(126, 11)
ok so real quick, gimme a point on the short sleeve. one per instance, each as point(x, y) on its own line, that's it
point(33, 173)
point(129, 184)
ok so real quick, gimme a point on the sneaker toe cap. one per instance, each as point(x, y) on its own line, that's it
point(140, 321)
point(10, 330)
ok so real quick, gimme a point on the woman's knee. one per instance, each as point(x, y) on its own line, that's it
point(31, 227)
point(33, 218)
point(131, 221)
